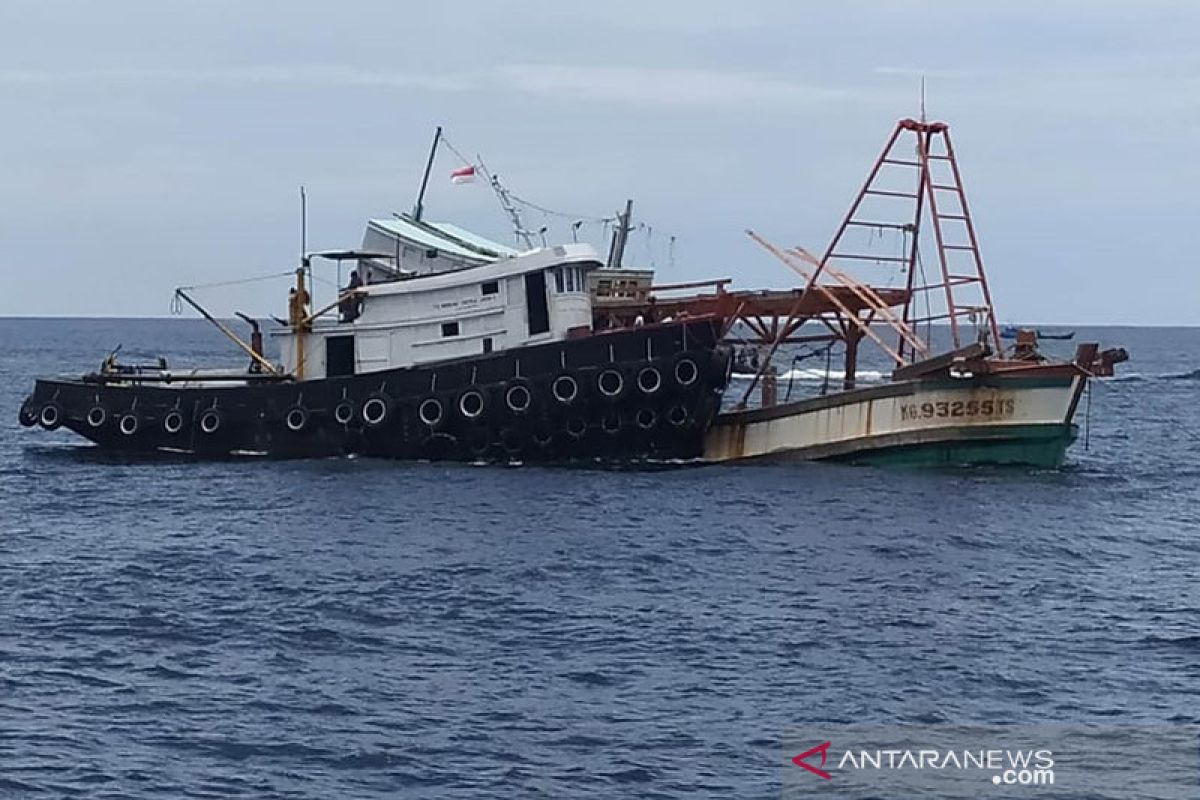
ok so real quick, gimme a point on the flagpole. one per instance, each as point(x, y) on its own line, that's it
point(418, 208)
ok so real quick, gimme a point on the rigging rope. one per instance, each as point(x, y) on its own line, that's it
point(177, 305)
point(239, 281)
point(576, 219)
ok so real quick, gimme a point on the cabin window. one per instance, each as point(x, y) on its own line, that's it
point(449, 329)
point(570, 278)
point(487, 344)
point(491, 287)
point(558, 280)
point(537, 306)
point(431, 253)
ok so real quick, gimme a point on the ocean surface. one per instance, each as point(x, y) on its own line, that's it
point(349, 628)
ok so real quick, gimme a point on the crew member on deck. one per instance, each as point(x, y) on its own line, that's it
point(652, 311)
point(350, 306)
point(298, 302)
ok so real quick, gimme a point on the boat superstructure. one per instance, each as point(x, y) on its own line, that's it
point(518, 301)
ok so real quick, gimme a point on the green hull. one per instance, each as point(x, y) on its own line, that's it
point(1026, 445)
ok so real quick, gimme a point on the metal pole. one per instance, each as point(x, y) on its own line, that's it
point(303, 222)
point(850, 368)
point(267, 365)
point(623, 234)
point(419, 207)
point(304, 260)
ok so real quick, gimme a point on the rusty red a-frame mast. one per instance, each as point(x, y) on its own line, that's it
point(915, 180)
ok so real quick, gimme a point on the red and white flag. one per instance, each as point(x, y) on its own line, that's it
point(463, 175)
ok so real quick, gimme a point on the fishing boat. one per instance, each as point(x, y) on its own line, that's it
point(1013, 331)
point(492, 363)
point(973, 401)
point(444, 346)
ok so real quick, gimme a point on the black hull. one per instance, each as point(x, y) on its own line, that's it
point(643, 394)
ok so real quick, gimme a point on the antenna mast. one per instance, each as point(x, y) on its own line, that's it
point(507, 204)
point(419, 207)
point(620, 236)
point(303, 222)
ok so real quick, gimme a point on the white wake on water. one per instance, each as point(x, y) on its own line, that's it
point(817, 375)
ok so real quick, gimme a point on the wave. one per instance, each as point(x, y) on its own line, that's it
point(877, 376)
point(817, 375)
point(1137, 377)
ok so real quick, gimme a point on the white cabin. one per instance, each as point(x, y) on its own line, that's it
point(531, 298)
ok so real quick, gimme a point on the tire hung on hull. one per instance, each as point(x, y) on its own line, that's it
point(611, 423)
point(343, 412)
point(472, 404)
point(679, 416)
point(296, 418)
point(477, 443)
point(96, 417)
point(51, 415)
point(512, 440)
point(174, 422)
point(686, 369)
point(646, 418)
point(439, 447)
point(129, 423)
point(210, 421)
point(27, 415)
point(518, 397)
point(376, 410)
point(565, 388)
point(542, 436)
point(611, 383)
point(431, 412)
point(576, 428)
point(649, 379)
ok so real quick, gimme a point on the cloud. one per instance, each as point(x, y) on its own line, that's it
point(656, 86)
point(661, 87)
point(922, 72)
point(328, 75)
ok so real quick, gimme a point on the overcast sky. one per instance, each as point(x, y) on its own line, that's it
point(150, 144)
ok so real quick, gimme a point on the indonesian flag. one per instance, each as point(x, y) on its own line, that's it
point(463, 175)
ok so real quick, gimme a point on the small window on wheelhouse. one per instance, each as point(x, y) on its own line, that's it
point(487, 344)
point(491, 287)
point(449, 329)
point(558, 280)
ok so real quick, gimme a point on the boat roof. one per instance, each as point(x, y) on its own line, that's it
point(445, 237)
point(474, 239)
point(580, 254)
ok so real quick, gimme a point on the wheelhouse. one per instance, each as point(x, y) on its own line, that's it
point(537, 297)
